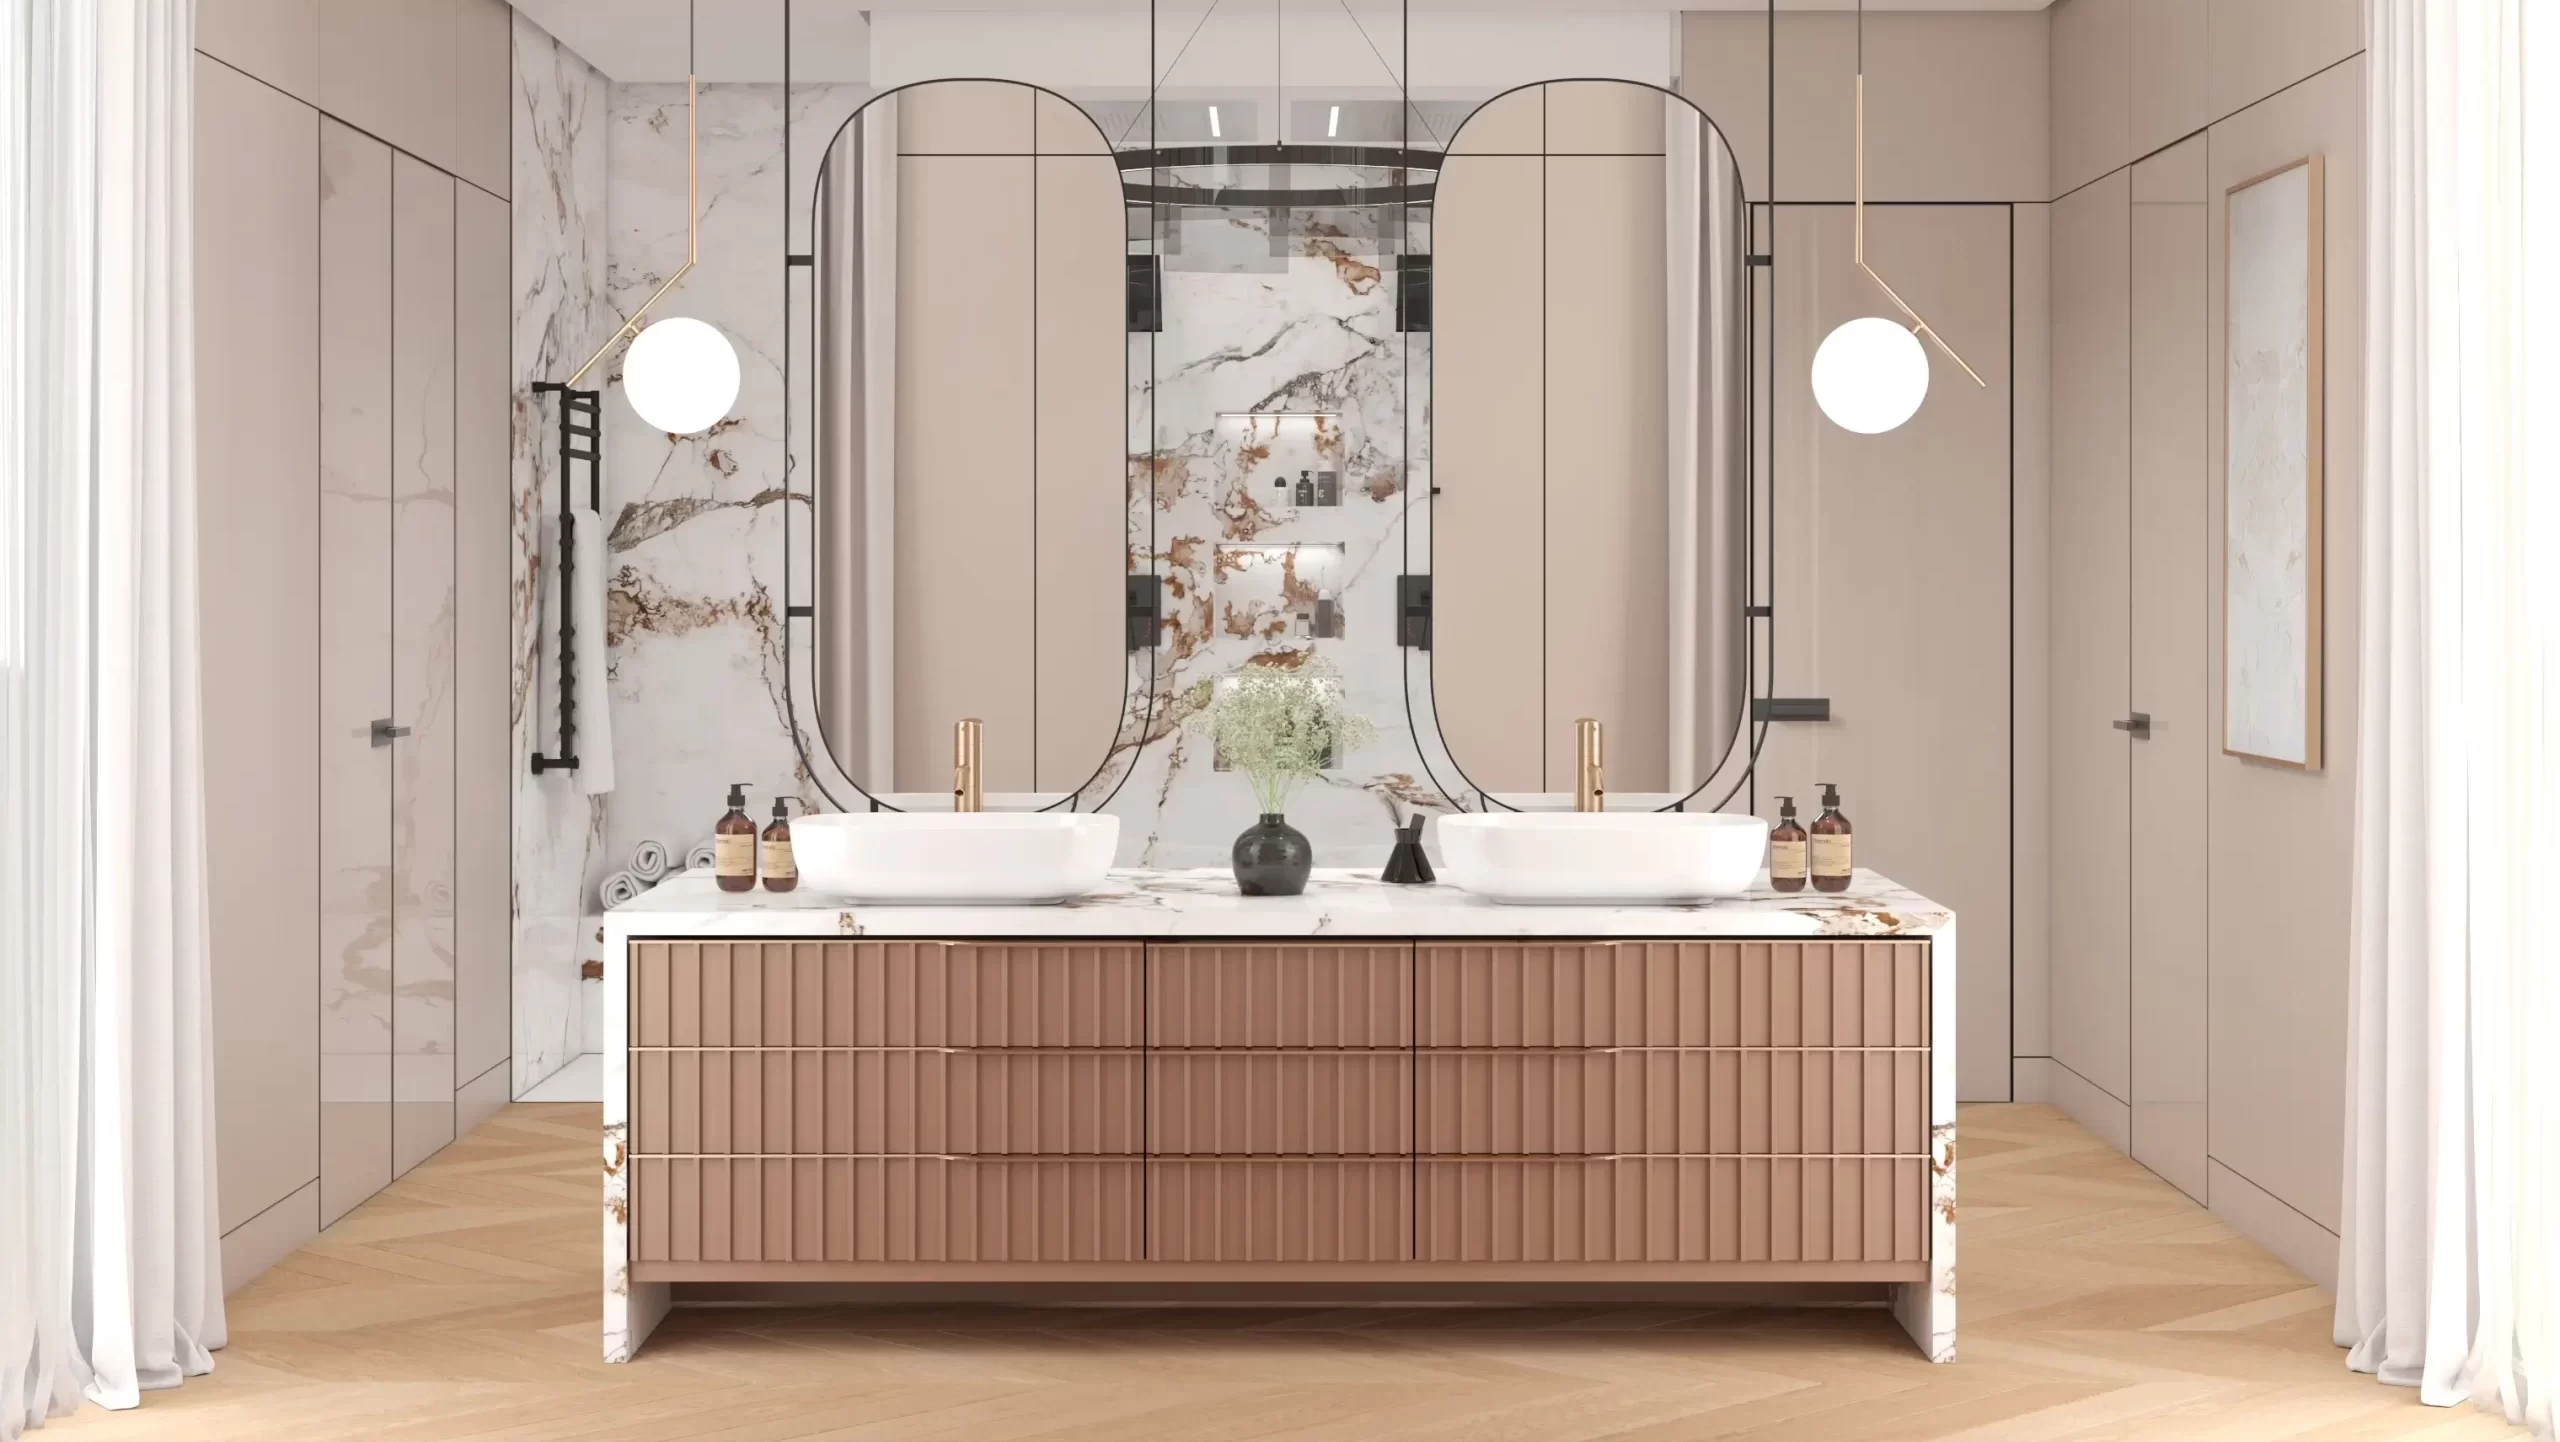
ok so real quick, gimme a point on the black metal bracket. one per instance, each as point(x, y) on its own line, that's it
point(1760, 260)
point(1759, 613)
point(793, 613)
point(1413, 294)
point(581, 444)
point(1145, 299)
point(1790, 708)
point(803, 259)
point(1142, 613)
point(1413, 612)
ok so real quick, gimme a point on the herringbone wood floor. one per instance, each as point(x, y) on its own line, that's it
point(2096, 1303)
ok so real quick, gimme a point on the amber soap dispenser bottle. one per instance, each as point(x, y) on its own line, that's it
point(1831, 863)
point(733, 845)
point(773, 854)
point(1786, 849)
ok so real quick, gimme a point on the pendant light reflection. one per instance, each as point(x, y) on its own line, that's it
point(681, 375)
point(1870, 375)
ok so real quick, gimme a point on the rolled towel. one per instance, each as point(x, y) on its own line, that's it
point(619, 888)
point(702, 858)
point(649, 862)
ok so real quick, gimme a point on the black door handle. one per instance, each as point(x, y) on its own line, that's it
point(384, 732)
point(2137, 725)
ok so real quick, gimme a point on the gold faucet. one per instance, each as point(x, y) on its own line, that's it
point(967, 790)
point(1588, 793)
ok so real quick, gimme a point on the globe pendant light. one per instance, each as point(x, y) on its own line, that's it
point(1870, 374)
point(681, 374)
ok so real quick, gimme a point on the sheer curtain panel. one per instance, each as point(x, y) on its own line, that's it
point(2449, 1266)
point(109, 1263)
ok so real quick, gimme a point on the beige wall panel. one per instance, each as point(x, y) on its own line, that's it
point(484, 759)
point(277, 41)
point(1604, 117)
point(1513, 123)
point(1893, 587)
point(2175, 176)
point(387, 68)
point(2279, 911)
point(2259, 47)
point(355, 667)
point(2170, 62)
point(1079, 529)
point(1063, 128)
point(2091, 80)
point(421, 902)
point(1955, 102)
point(483, 90)
point(1489, 446)
point(2171, 649)
point(966, 117)
point(258, 541)
point(1607, 602)
point(2031, 650)
point(2091, 570)
point(964, 485)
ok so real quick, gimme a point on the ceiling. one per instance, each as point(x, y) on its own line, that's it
point(832, 40)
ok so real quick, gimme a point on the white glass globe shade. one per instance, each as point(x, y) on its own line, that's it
point(1870, 375)
point(681, 375)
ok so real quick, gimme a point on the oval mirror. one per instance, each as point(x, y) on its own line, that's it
point(969, 354)
point(1591, 402)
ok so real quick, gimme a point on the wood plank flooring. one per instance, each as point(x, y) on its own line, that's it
point(2097, 1303)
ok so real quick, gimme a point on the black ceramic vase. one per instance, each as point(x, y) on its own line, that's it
point(1272, 858)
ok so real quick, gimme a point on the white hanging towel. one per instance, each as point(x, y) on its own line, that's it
point(595, 712)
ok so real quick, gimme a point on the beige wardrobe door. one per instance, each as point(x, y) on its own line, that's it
point(2091, 625)
point(2172, 651)
point(355, 667)
point(422, 653)
point(257, 534)
point(484, 556)
point(1488, 436)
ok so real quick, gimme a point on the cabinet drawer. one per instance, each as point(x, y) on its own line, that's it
point(1673, 1209)
point(1727, 994)
point(1280, 1103)
point(1684, 1102)
point(1336, 995)
point(1237, 1209)
point(883, 994)
point(884, 1209)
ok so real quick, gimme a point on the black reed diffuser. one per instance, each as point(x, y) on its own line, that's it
point(1406, 865)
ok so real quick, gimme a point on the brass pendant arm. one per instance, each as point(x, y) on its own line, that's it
point(1858, 245)
point(692, 237)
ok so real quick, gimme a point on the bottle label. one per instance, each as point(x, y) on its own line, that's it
point(1831, 855)
point(1786, 858)
point(777, 859)
point(733, 855)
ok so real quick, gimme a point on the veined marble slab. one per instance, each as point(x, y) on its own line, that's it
point(1204, 903)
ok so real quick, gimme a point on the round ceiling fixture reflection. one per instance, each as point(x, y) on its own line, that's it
point(1870, 375)
point(681, 375)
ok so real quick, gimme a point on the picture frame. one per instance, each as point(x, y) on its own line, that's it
point(2272, 515)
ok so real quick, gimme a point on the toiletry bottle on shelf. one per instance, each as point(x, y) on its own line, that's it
point(773, 853)
point(1787, 865)
point(1328, 619)
point(1328, 488)
point(733, 844)
point(1830, 858)
point(1306, 488)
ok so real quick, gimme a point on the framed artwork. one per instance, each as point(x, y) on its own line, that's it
point(2271, 519)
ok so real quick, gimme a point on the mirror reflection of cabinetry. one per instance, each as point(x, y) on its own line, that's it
point(969, 400)
point(1591, 538)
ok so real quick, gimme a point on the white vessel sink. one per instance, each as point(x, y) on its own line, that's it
point(1530, 858)
point(974, 858)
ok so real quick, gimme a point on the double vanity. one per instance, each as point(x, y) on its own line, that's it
point(1368, 1089)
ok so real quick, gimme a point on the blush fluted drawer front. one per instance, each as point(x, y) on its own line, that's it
point(843, 1101)
point(1672, 1102)
point(1279, 1103)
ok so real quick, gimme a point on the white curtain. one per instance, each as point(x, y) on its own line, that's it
point(2449, 1274)
point(109, 1260)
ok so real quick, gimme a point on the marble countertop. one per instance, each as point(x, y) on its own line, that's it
point(1336, 903)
